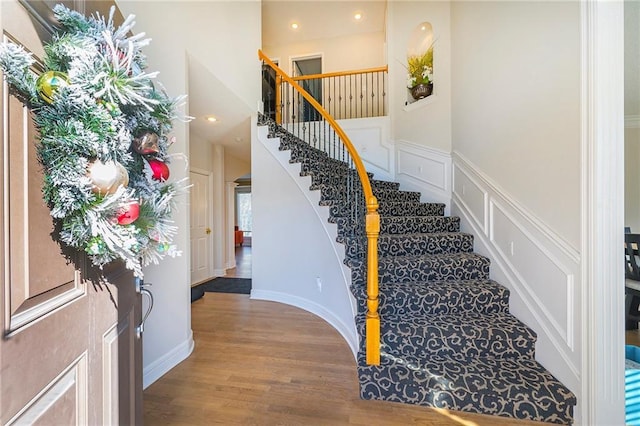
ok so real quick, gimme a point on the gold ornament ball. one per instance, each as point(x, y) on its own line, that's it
point(107, 177)
point(49, 83)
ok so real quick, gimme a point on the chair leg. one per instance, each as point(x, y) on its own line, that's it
point(632, 304)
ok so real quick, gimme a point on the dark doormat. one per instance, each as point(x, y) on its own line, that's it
point(222, 285)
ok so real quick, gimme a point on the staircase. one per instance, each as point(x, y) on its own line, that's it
point(447, 337)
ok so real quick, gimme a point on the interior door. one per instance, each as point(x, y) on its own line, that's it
point(200, 230)
point(69, 352)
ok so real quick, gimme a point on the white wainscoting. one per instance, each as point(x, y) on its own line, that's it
point(371, 138)
point(540, 269)
point(424, 169)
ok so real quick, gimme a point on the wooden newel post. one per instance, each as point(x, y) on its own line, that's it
point(372, 319)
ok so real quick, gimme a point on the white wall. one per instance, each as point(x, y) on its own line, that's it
point(426, 122)
point(168, 337)
point(296, 259)
point(339, 53)
point(516, 111)
point(516, 102)
point(235, 167)
point(200, 153)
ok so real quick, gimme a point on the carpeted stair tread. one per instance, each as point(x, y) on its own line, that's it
point(460, 335)
point(307, 166)
point(331, 195)
point(437, 297)
point(404, 225)
point(411, 244)
point(375, 183)
point(508, 387)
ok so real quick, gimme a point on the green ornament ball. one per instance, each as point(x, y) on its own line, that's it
point(96, 246)
point(49, 83)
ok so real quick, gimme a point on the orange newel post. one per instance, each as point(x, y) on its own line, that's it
point(373, 319)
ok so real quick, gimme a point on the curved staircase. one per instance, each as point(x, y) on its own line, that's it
point(447, 337)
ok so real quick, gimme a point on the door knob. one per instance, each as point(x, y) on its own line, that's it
point(208, 231)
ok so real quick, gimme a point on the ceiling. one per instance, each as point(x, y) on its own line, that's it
point(316, 19)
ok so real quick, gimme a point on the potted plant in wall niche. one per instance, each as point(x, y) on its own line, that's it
point(420, 74)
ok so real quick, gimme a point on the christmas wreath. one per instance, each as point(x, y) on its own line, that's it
point(103, 138)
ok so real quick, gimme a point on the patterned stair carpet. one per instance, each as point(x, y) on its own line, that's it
point(447, 337)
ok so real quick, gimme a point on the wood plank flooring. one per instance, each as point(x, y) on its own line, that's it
point(243, 263)
point(265, 363)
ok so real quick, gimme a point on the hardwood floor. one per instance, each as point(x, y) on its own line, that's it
point(243, 263)
point(264, 363)
point(632, 337)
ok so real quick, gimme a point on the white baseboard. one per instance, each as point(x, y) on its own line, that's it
point(162, 365)
point(348, 332)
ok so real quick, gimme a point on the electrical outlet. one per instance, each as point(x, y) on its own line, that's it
point(511, 247)
point(319, 284)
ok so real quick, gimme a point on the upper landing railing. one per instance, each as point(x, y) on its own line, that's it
point(344, 94)
point(300, 113)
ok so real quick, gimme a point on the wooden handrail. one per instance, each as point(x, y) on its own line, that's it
point(372, 219)
point(341, 73)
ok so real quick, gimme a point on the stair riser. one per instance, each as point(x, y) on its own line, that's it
point(342, 181)
point(332, 197)
point(310, 166)
point(407, 269)
point(411, 245)
point(319, 177)
point(406, 225)
point(445, 298)
point(396, 209)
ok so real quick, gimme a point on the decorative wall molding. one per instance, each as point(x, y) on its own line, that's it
point(424, 169)
point(371, 138)
point(632, 121)
point(539, 267)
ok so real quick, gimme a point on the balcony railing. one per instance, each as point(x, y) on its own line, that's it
point(344, 95)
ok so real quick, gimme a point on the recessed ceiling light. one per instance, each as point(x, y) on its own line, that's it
point(211, 119)
point(294, 26)
point(357, 16)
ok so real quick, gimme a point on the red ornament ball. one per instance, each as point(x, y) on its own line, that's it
point(128, 213)
point(159, 170)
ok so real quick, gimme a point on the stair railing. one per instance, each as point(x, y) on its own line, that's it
point(301, 114)
point(349, 94)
